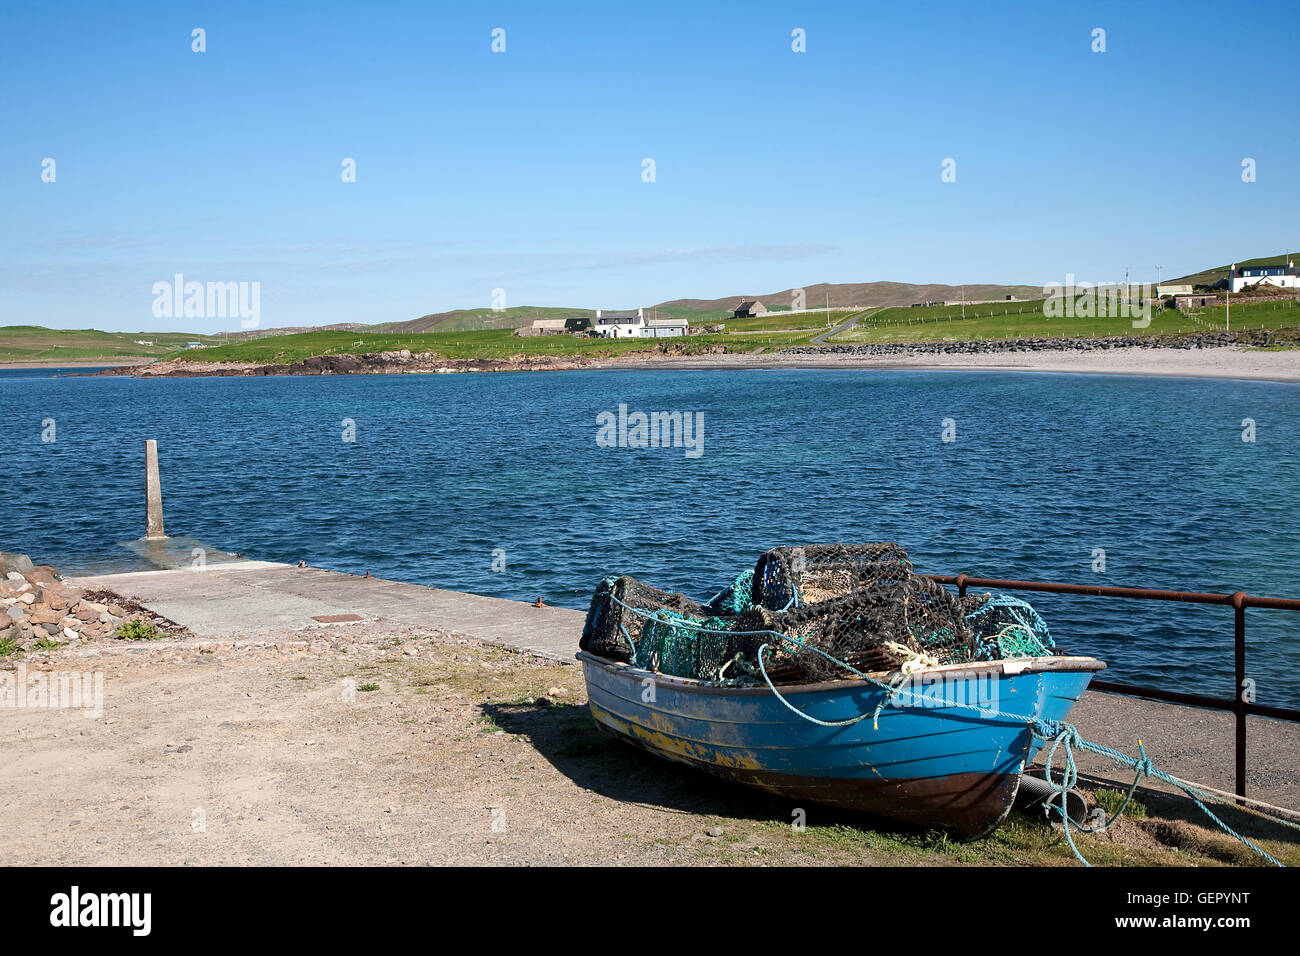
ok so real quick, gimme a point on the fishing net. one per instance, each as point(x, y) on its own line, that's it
point(1008, 627)
point(811, 573)
point(735, 597)
point(672, 643)
point(859, 605)
point(613, 626)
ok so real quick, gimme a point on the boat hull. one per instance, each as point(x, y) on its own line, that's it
point(938, 756)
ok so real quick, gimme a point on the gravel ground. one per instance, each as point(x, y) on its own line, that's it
point(277, 753)
point(370, 744)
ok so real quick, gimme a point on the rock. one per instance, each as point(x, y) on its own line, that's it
point(13, 564)
point(84, 614)
point(70, 634)
point(41, 614)
point(556, 692)
point(714, 831)
point(27, 598)
point(15, 612)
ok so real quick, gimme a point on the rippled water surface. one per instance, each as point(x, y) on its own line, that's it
point(1045, 469)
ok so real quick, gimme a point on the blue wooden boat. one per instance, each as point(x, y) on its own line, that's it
point(950, 756)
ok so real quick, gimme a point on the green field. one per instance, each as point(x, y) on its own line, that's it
point(815, 322)
point(485, 344)
point(1014, 320)
point(32, 343)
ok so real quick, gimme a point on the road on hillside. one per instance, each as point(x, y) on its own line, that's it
point(844, 326)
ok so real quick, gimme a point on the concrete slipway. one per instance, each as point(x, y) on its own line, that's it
point(256, 600)
point(249, 598)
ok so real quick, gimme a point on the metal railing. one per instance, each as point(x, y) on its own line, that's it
point(1238, 601)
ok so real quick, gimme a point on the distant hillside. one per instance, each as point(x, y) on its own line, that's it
point(462, 320)
point(35, 343)
point(847, 294)
point(293, 330)
point(1218, 273)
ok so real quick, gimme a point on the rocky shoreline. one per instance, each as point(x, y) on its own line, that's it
point(667, 354)
point(1192, 340)
point(370, 363)
point(39, 612)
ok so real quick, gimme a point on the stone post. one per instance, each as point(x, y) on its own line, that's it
point(152, 493)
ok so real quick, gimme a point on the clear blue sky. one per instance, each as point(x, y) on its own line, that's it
point(522, 170)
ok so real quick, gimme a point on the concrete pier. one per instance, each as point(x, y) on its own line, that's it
point(252, 598)
point(152, 493)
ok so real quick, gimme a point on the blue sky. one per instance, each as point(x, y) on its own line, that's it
point(522, 170)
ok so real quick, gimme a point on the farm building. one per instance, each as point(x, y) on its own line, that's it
point(1164, 290)
point(1284, 277)
point(663, 328)
point(751, 309)
point(1184, 302)
point(555, 326)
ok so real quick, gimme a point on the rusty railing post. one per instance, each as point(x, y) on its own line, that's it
point(1239, 699)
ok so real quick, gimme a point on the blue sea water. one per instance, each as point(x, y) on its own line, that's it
point(1044, 470)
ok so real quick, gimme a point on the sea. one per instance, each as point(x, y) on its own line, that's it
point(538, 484)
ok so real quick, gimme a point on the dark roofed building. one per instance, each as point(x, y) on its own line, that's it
point(750, 309)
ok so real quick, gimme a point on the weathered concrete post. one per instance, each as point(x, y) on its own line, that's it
point(152, 492)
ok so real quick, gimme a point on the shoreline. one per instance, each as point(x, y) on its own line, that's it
point(30, 365)
point(1227, 362)
point(375, 687)
point(1215, 362)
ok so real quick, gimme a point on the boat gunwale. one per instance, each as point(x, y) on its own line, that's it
point(1032, 665)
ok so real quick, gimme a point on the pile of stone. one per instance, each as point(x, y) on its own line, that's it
point(1189, 340)
point(38, 611)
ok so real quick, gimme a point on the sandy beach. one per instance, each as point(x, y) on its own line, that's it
point(1223, 362)
point(1238, 363)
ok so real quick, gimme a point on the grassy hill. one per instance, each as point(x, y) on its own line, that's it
point(462, 320)
point(473, 343)
point(845, 295)
point(1218, 273)
point(33, 343)
point(1015, 320)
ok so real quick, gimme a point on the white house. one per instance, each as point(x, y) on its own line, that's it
point(1284, 277)
point(620, 325)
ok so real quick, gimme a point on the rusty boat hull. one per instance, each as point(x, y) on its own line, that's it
point(948, 753)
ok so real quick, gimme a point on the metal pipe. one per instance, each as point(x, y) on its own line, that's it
point(1035, 792)
point(1239, 700)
